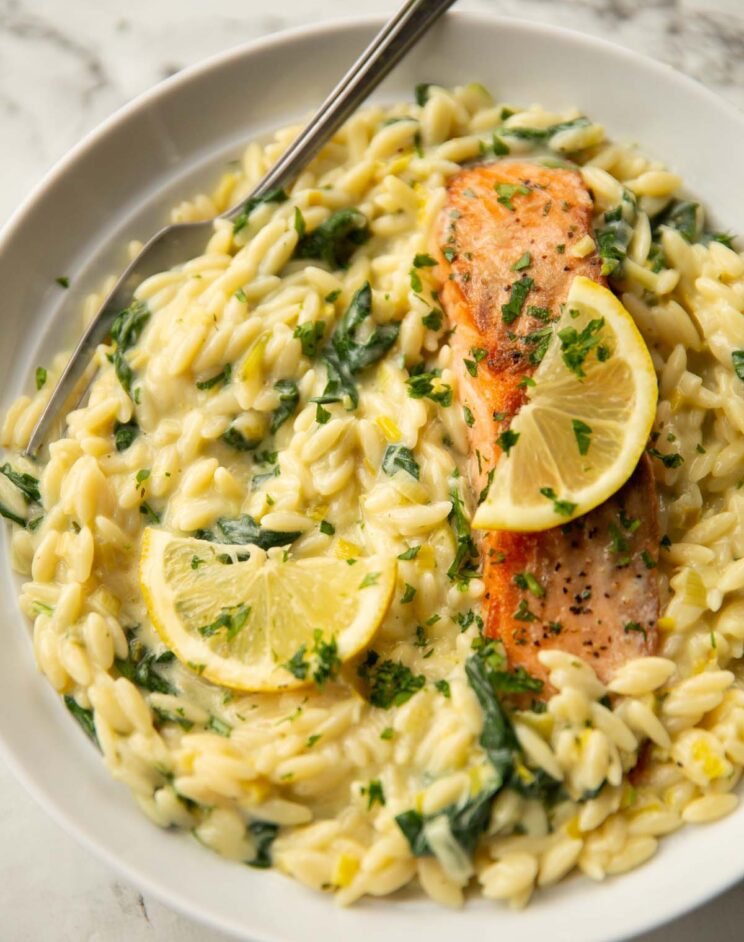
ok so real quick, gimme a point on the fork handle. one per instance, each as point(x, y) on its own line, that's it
point(379, 58)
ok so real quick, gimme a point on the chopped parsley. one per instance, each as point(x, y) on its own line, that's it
point(230, 620)
point(562, 507)
point(408, 595)
point(411, 553)
point(391, 683)
point(633, 626)
point(323, 665)
point(327, 528)
point(527, 581)
point(468, 416)
point(374, 793)
point(507, 191)
point(371, 578)
point(576, 345)
point(41, 377)
point(421, 384)
point(671, 460)
point(519, 291)
point(583, 434)
point(424, 261)
point(524, 261)
point(507, 440)
point(444, 688)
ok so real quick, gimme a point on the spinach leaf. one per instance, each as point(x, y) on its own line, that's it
point(263, 833)
point(613, 240)
point(235, 439)
point(543, 134)
point(498, 737)
point(84, 718)
point(27, 484)
point(685, 216)
point(124, 434)
point(275, 195)
point(347, 355)
point(463, 565)
point(244, 529)
point(400, 458)
point(289, 396)
point(335, 240)
point(125, 332)
point(467, 822)
point(140, 665)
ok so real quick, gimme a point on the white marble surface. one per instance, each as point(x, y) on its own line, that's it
point(64, 66)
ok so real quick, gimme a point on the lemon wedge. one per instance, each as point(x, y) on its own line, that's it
point(587, 419)
point(239, 622)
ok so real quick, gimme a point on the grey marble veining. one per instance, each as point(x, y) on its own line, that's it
point(65, 65)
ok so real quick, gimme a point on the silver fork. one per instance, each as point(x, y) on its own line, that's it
point(175, 244)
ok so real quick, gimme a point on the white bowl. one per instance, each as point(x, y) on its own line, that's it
point(116, 185)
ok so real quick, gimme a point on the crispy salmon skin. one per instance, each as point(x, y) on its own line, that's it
point(504, 244)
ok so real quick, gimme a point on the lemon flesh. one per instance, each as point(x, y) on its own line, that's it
point(580, 436)
point(237, 623)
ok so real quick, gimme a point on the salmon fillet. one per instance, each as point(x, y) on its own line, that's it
point(504, 244)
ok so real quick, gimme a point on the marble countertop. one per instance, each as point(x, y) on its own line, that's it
point(64, 67)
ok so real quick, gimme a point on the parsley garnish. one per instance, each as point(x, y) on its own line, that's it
point(562, 507)
point(231, 620)
point(421, 385)
point(670, 460)
point(634, 626)
point(583, 433)
point(519, 291)
point(507, 440)
point(324, 664)
point(575, 346)
point(408, 594)
point(391, 683)
point(444, 688)
point(370, 579)
point(424, 261)
point(508, 190)
point(411, 553)
point(41, 377)
point(524, 261)
point(374, 793)
point(327, 528)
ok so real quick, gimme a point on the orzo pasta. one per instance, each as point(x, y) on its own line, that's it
point(219, 404)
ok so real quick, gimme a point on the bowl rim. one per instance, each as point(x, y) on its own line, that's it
point(709, 886)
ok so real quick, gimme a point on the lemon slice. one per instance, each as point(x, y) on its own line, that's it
point(585, 423)
point(238, 621)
